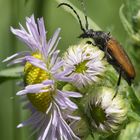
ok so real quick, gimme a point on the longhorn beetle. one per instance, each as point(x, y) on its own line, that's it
point(114, 52)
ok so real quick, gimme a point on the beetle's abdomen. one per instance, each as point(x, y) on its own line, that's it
point(120, 56)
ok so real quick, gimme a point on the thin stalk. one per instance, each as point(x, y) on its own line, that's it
point(39, 8)
point(15, 108)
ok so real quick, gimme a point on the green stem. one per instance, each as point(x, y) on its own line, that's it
point(84, 116)
point(15, 108)
point(39, 8)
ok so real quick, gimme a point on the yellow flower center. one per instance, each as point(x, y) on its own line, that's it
point(35, 75)
point(81, 67)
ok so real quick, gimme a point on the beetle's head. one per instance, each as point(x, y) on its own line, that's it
point(87, 34)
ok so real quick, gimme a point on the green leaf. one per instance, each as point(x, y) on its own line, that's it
point(131, 132)
point(90, 138)
point(92, 24)
point(128, 27)
point(134, 116)
point(132, 7)
point(126, 24)
point(134, 101)
point(10, 73)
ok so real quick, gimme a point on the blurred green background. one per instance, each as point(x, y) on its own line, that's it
point(104, 12)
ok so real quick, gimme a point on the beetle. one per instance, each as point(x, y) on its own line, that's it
point(114, 52)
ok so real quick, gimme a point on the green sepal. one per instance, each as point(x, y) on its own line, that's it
point(131, 132)
point(134, 104)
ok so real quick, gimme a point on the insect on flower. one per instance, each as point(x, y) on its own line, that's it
point(114, 52)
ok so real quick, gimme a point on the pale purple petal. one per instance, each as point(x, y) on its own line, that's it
point(64, 73)
point(53, 40)
point(24, 53)
point(47, 129)
point(57, 66)
point(48, 82)
point(49, 108)
point(32, 28)
point(44, 53)
point(65, 127)
point(70, 94)
point(42, 30)
point(54, 48)
point(66, 79)
point(73, 117)
point(54, 124)
point(66, 102)
point(70, 104)
point(26, 38)
point(36, 88)
point(35, 118)
point(54, 57)
point(36, 62)
point(62, 76)
point(61, 102)
point(16, 61)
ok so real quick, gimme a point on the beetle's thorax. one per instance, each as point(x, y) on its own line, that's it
point(99, 37)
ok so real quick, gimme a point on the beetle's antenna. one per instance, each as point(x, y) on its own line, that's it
point(84, 10)
point(86, 22)
point(66, 4)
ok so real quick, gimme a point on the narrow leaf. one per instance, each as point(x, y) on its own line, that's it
point(10, 73)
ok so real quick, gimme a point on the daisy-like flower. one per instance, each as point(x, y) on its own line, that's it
point(43, 70)
point(107, 113)
point(86, 64)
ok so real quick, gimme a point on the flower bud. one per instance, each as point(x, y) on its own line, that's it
point(106, 112)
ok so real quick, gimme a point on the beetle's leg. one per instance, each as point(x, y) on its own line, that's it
point(108, 33)
point(119, 79)
point(118, 83)
point(113, 63)
point(106, 50)
point(106, 53)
